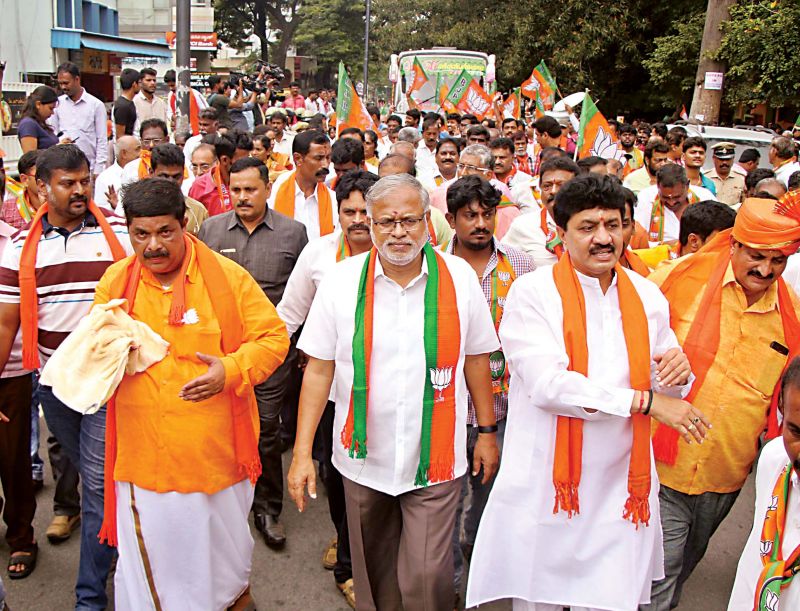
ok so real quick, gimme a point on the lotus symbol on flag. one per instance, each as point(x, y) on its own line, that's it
point(773, 505)
point(501, 301)
point(441, 378)
point(504, 277)
point(766, 548)
point(605, 147)
point(476, 103)
point(532, 86)
point(771, 600)
point(497, 364)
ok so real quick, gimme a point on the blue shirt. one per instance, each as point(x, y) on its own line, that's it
point(30, 128)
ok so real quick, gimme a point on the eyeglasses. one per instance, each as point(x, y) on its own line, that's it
point(201, 167)
point(388, 225)
point(472, 168)
point(152, 141)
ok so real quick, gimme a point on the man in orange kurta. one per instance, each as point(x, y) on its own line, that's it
point(181, 438)
point(737, 321)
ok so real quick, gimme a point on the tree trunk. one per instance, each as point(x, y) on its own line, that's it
point(260, 30)
point(284, 42)
point(706, 102)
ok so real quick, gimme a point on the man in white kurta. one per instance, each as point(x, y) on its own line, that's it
point(596, 559)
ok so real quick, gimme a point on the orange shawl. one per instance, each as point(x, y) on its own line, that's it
point(284, 203)
point(635, 262)
point(569, 431)
point(144, 163)
point(702, 273)
point(29, 301)
point(223, 300)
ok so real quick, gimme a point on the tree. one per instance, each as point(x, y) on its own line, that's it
point(333, 30)
point(760, 44)
point(237, 20)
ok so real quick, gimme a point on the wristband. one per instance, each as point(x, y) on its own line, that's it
point(488, 429)
point(649, 403)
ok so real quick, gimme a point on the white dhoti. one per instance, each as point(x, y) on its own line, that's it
point(179, 552)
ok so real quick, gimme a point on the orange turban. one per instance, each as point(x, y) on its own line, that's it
point(767, 225)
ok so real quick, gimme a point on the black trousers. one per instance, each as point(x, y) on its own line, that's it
point(15, 461)
point(334, 487)
point(271, 396)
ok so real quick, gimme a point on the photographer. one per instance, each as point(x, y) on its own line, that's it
point(221, 101)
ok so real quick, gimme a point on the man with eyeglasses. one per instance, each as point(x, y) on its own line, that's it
point(204, 158)
point(109, 182)
point(421, 335)
point(208, 122)
point(535, 233)
point(660, 207)
point(153, 132)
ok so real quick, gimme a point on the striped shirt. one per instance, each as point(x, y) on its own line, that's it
point(68, 267)
point(521, 263)
point(13, 366)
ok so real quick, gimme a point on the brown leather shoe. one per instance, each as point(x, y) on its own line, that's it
point(61, 528)
point(329, 557)
point(347, 591)
point(245, 602)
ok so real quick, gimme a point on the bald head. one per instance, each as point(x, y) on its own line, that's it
point(127, 149)
point(406, 149)
point(395, 163)
point(772, 187)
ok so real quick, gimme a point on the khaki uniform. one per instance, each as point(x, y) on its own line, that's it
point(729, 191)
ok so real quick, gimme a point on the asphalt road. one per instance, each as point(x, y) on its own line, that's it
point(294, 579)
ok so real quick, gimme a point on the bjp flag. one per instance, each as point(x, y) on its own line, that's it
point(541, 82)
point(512, 107)
point(350, 110)
point(595, 137)
point(469, 97)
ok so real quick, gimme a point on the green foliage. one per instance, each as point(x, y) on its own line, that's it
point(673, 62)
point(332, 30)
point(760, 45)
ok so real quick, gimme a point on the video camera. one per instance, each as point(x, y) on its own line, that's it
point(259, 79)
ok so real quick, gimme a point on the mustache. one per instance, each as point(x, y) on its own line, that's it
point(758, 275)
point(601, 248)
point(322, 172)
point(358, 227)
point(158, 254)
point(78, 198)
point(480, 232)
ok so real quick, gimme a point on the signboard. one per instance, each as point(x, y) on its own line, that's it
point(198, 41)
point(95, 62)
point(12, 105)
point(114, 64)
point(713, 81)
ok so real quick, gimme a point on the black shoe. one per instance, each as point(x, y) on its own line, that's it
point(271, 529)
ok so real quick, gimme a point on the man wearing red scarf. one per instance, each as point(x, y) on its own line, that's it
point(212, 189)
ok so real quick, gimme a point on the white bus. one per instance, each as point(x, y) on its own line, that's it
point(443, 65)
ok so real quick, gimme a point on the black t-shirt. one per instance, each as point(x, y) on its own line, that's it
point(125, 114)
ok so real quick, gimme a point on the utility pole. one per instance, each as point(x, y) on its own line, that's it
point(708, 82)
point(183, 59)
point(366, 50)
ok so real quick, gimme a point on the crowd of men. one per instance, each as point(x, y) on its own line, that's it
point(520, 375)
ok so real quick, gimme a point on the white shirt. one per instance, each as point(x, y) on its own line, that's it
point(171, 98)
point(155, 108)
point(284, 145)
point(191, 144)
point(110, 177)
point(84, 122)
point(394, 417)
point(595, 559)
point(426, 159)
point(783, 173)
point(525, 234)
point(525, 194)
point(306, 209)
point(672, 225)
point(791, 275)
point(771, 463)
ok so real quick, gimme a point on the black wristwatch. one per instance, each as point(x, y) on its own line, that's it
point(492, 428)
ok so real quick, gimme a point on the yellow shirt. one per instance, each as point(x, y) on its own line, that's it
point(736, 393)
point(163, 442)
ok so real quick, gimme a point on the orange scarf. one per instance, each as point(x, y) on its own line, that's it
point(634, 262)
point(223, 300)
point(704, 271)
point(29, 300)
point(284, 203)
point(656, 232)
point(569, 431)
point(145, 163)
point(552, 242)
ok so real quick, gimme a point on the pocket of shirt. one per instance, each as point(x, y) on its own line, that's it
point(769, 372)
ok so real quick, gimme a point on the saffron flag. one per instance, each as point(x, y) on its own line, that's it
point(417, 78)
point(542, 82)
point(512, 107)
point(594, 135)
point(350, 110)
point(538, 110)
point(443, 90)
point(684, 114)
point(469, 97)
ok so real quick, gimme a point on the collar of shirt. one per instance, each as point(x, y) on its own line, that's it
point(143, 98)
point(423, 273)
point(491, 264)
point(68, 100)
point(594, 283)
point(237, 222)
point(192, 270)
point(767, 303)
point(88, 221)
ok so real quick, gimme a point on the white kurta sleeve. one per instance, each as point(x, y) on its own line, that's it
point(539, 361)
point(319, 335)
point(299, 294)
point(665, 340)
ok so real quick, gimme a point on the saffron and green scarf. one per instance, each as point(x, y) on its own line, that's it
point(442, 340)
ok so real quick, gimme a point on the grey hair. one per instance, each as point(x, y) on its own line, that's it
point(387, 185)
point(784, 147)
point(480, 151)
point(765, 184)
point(409, 134)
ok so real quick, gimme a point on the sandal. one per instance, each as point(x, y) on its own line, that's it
point(26, 559)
